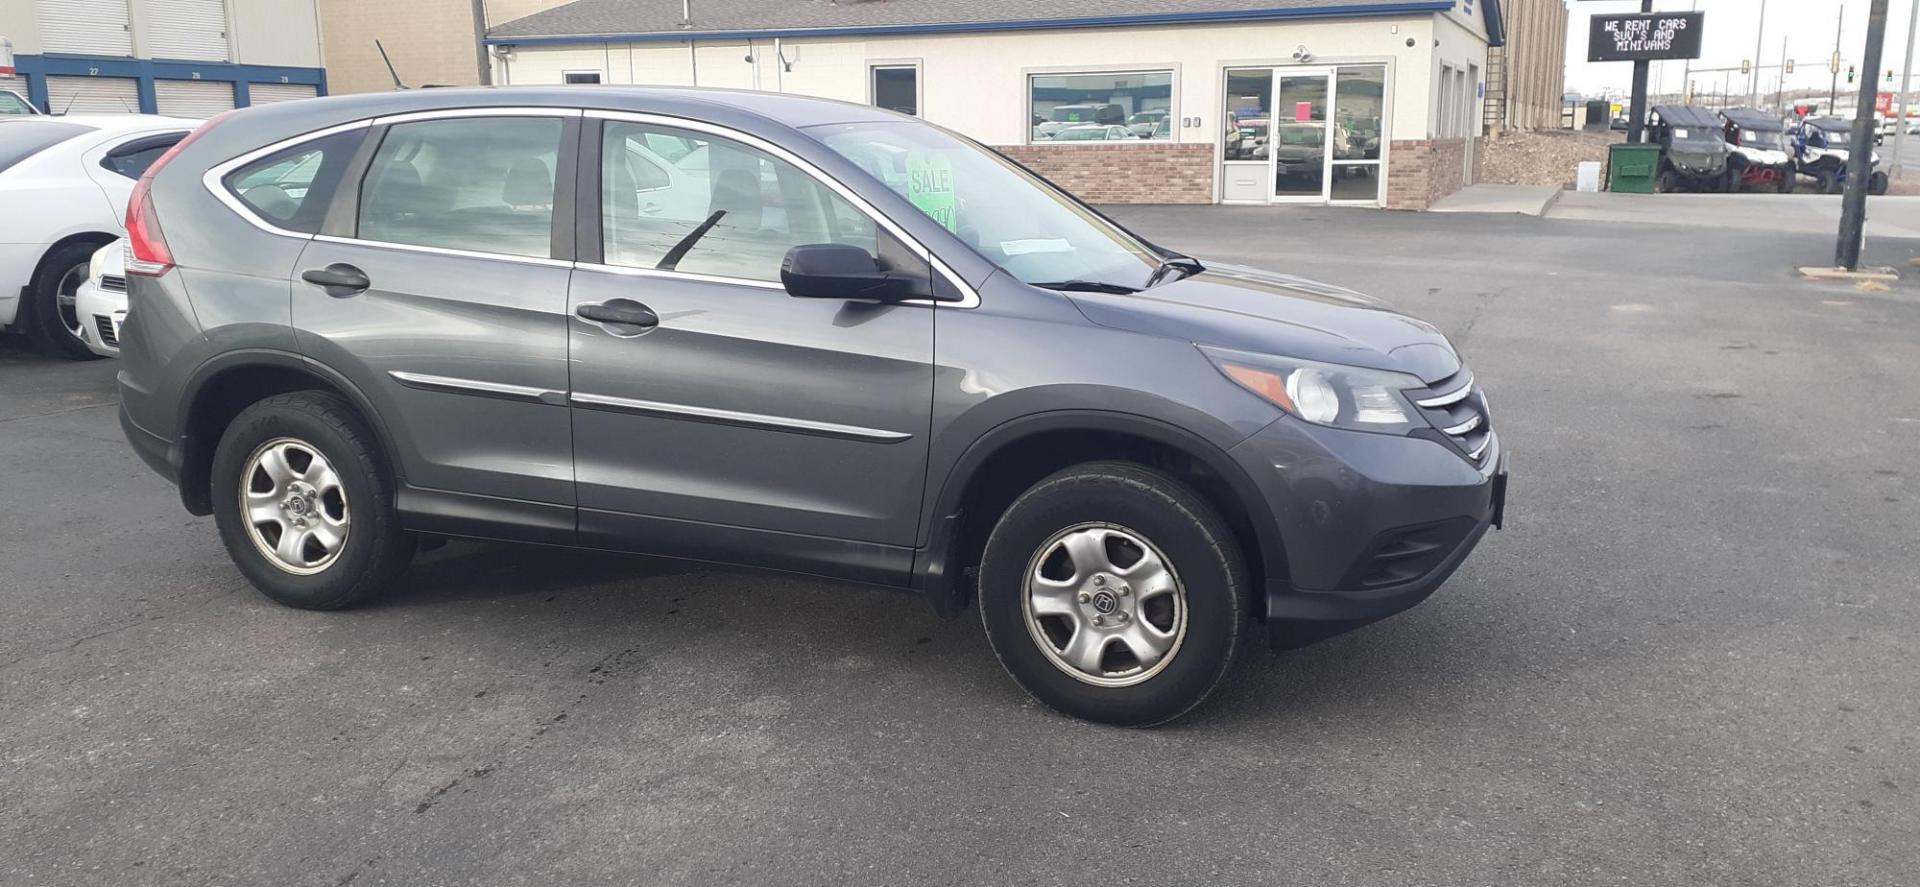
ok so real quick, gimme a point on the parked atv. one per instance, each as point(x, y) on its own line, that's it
point(1820, 150)
point(1758, 152)
point(1693, 149)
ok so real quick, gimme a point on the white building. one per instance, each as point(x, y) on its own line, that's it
point(1373, 102)
point(187, 58)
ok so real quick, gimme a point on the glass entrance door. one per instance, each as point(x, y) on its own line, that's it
point(1299, 141)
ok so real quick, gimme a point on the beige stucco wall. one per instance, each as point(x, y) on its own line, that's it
point(19, 24)
point(431, 41)
point(976, 83)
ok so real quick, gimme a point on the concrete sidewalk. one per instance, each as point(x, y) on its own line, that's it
point(1784, 213)
point(1528, 200)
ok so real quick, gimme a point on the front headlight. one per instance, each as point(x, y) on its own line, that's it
point(1329, 394)
point(97, 266)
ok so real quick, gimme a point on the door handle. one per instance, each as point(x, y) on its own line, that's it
point(338, 279)
point(621, 317)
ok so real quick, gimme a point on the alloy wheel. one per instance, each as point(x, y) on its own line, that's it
point(1105, 605)
point(66, 300)
point(294, 505)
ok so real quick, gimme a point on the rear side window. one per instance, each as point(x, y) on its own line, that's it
point(13, 104)
point(132, 158)
point(483, 184)
point(22, 138)
point(291, 188)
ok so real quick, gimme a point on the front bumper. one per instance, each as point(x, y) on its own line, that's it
point(1371, 524)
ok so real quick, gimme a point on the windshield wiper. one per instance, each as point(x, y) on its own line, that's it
point(1088, 286)
point(671, 260)
point(1176, 262)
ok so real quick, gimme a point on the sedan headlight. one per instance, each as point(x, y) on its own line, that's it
point(1329, 394)
point(97, 266)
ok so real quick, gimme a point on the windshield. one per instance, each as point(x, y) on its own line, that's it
point(1025, 226)
point(23, 137)
point(1837, 138)
point(1699, 135)
point(1762, 138)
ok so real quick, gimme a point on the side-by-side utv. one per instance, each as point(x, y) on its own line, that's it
point(1759, 155)
point(1820, 149)
point(1693, 149)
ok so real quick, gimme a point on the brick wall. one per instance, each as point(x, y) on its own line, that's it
point(1421, 172)
point(1124, 172)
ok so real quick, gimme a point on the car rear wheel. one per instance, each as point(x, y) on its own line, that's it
point(1114, 593)
point(1877, 183)
point(305, 505)
point(55, 316)
point(1786, 182)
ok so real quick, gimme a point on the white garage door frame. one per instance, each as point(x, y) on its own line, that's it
point(91, 95)
point(191, 30)
point(192, 98)
point(85, 27)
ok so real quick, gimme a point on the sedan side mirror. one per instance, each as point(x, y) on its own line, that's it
point(840, 271)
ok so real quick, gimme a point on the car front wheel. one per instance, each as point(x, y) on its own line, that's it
point(1114, 593)
point(305, 505)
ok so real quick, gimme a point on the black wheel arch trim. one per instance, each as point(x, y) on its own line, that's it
point(936, 578)
point(194, 493)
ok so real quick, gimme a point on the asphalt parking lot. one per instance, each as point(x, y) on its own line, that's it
point(1689, 659)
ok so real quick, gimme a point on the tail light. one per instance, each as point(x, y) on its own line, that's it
point(147, 252)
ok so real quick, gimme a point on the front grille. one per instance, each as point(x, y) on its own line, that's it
point(1458, 407)
point(105, 325)
point(113, 283)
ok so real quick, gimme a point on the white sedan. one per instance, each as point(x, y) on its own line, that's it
point(64, 182)
point(101, 303)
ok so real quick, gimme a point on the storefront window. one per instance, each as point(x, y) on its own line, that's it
point(1248, 114)
point(1122, 105)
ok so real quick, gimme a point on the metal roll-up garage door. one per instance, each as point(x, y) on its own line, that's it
point(268, 93)
point(88, 27)
point(93, 95)
point(192, 98)
point(186, 29)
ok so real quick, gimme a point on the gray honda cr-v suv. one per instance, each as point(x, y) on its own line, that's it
point(786, 333)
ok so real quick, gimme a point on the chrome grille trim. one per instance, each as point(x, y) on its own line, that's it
point(1481, 450)
point(1464, 427)
point(1452, 397)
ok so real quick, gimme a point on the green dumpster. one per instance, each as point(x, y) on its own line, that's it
point(1633, 168)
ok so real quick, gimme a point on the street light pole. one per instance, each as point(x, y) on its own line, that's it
point(1853, 207)
point(1833, 83)
point(1906, 81)
point(1753, 85)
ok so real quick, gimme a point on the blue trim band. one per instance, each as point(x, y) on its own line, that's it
point(1496, 27)
point(37, 68)
point(1166, 18)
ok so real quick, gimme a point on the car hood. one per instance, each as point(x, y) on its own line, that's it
point(1249, 309)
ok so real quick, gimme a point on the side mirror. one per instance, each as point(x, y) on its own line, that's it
point(839, 271)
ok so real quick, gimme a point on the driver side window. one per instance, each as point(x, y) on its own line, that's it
point(687, 201)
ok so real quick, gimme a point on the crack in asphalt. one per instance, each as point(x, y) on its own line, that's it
point(59, 412)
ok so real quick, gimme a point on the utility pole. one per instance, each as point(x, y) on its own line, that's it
point(1833, 83)
point(1906, 81)
point(1753, 85)
point(1853, 206)
point(1686, 67)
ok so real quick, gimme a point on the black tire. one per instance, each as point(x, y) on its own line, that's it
point(1193, 540)
point(1785, 184)
point(59, 274)
point(374, 550)
point(1877, 183)
point(1825, 181)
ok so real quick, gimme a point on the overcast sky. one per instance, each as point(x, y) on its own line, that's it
point(1728, 37)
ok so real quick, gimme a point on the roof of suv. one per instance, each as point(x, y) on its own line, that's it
point(790, 110)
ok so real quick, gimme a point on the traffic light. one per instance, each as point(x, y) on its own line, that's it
point(1849, 73)
point(1889, 75)
point(1746, 67)
point(1789, 66)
